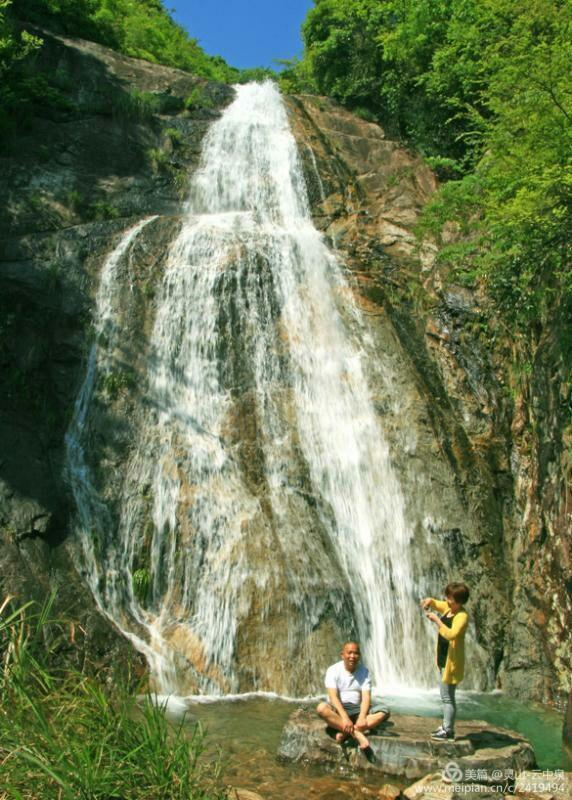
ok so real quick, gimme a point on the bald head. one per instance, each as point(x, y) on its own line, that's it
point(351, 655)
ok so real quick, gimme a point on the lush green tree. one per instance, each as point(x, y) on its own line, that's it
point(415, 64)
point(482, 88)
point(295, 77)
point(342, 54)
point(517, 203)
point(14, 47)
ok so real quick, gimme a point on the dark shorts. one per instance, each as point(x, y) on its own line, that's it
point(353, 710)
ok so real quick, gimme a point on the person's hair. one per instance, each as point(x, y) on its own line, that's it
point(350, 641)
point(458, 591)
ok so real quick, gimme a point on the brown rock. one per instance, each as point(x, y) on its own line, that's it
point(433, 328)
point(402, 747)
point(423, 786)
point(545, 785)
point(389, 792)
point(243, 794)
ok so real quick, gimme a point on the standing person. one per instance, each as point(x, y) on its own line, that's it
point(452, 621)
point(349, 708)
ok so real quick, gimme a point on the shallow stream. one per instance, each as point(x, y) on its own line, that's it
point(247, 731)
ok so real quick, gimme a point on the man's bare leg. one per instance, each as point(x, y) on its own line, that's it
point(331, 716)
point(333, 719)
point(361, 739)
point(373, 720)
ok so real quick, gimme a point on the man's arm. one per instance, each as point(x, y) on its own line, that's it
point(334, 699)
point(364, 710)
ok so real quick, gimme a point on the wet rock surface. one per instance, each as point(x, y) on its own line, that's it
point(403, 747)
point(117, 146)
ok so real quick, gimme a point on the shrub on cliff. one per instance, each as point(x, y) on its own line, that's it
point(139, 28)
point(518, 198)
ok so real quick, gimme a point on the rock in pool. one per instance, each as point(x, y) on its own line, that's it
point(402, 747)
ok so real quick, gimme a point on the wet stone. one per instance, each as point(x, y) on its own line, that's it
point(243, 794)
point(403, 747)
point(389, 792)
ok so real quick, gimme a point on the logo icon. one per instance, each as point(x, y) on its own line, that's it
point(452, 772)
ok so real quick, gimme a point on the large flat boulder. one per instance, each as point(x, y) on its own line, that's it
point(403, 747)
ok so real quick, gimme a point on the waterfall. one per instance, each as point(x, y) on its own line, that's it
point(260, 498)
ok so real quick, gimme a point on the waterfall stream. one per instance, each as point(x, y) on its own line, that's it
point(259, 501)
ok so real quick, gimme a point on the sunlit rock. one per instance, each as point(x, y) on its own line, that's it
point(403, 747)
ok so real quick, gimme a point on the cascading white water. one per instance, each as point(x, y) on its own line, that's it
point(94, 519)
point(254, 311)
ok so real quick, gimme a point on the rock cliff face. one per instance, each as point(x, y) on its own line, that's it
point(115, 143)
point(496, 441)
point(480, 454)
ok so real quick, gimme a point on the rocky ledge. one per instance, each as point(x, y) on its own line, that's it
point(403, 747)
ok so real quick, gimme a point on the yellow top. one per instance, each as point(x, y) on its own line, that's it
point(455, 635)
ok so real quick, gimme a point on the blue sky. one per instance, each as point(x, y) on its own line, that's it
point(246, 33)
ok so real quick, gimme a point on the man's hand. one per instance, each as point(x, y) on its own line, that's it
point(348, 725)
point(361, 723)
point(426, 603)
point(434, 618)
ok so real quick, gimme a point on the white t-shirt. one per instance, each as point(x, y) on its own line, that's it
point(349, 684)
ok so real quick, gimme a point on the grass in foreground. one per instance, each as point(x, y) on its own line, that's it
point(68, 736)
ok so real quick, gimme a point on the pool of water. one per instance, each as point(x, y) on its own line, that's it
point(541, 725)
point(247, 730)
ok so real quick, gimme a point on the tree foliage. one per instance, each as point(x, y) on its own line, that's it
point(519, 191)
point(15, 45)
point(482, 88)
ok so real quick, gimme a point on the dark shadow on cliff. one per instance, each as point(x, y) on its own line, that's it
point(41, 326)
point(45, 316)
point(102, 136)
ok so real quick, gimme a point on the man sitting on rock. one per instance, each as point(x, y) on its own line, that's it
point(349, 709)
